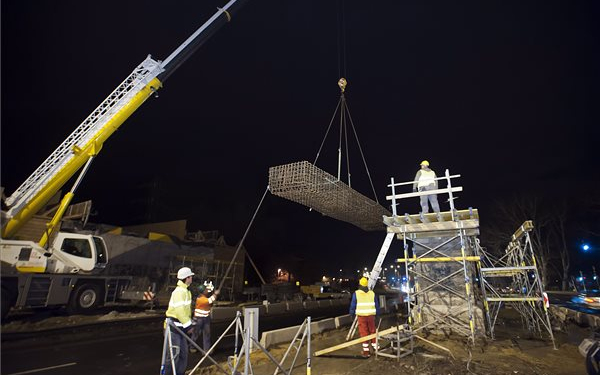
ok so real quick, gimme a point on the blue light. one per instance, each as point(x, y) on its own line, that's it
point(585, 247)
point(595, 277)
point(580, 278)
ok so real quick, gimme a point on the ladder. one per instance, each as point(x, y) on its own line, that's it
point(374, 275)
point(378, 266)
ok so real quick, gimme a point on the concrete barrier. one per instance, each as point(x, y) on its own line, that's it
point(295, 306)
point(342, 321)
point(223, 313)
point(564, 314)
point(309, 305)
point(285, 335)
point(325, 303)
point(276, 308)
point(322, 325)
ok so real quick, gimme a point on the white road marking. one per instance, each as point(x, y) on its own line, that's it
point(44, 369)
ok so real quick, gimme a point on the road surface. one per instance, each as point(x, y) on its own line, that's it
point(113, 349)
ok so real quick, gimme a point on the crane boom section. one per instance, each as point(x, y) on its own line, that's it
point(84, 142)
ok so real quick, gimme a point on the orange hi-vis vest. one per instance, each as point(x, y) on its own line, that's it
point(203, 306)
point(365, 303)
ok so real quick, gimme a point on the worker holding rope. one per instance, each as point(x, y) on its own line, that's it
point(366, 306)
point(202, 315)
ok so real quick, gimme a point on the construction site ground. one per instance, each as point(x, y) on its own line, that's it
point(513, 352)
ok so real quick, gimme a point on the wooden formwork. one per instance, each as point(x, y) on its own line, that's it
point(304, 183)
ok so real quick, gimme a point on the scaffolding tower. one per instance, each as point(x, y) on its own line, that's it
point(440, 262)
point(513, 279)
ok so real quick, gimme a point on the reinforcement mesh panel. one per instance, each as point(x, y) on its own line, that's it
point(304, 183)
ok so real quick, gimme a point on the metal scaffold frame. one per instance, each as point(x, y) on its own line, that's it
point(451, 230)
point(241, 352)
point(513, 279)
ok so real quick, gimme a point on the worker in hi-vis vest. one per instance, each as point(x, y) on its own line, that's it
point(365, 306)
point(202, 315)
point(426, 180)
point(180, 312)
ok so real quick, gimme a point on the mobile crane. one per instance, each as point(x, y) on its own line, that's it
point(66, 268)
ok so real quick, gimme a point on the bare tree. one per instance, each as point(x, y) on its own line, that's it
point(514, 213)
point(559, 222)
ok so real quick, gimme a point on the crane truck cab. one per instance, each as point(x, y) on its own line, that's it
point(61, 274)
point(68, 253)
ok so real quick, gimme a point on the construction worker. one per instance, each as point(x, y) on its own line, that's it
point(202, 316)
point(425, 180)
point(365, 306)
point(180, 311)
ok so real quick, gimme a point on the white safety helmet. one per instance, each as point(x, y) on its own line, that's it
point(184, 273)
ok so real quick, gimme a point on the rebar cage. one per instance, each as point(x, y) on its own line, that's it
point(304, 183)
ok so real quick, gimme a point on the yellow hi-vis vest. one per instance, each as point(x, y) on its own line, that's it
point(427, 178)
point(365, 303)
point(180, 305)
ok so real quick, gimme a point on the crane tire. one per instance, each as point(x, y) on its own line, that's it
point(84, 299)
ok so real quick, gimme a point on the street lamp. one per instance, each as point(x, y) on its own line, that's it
point(585, 247)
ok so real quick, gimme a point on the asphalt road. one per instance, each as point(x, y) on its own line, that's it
point(564, 299)
point(134, 348)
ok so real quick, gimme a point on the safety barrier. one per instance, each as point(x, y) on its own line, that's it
point(295, 306)
point(278, 336)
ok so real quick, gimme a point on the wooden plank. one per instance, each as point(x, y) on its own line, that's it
point(357, 341)
point(525, 227)
point(434, 344)
point(434, 227)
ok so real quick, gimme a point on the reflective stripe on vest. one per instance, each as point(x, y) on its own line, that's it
point(426, 178)
point(365, 303)
point(203, 306)
point(199, 313)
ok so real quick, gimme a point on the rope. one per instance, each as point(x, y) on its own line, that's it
point(346, 137)
point(362, 154)
point(243, 239)
point(327, 132)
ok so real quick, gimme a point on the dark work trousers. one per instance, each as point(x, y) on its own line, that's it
point(202, 328)
point(180, 351)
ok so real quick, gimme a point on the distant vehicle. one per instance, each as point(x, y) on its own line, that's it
point(589, 299)
point(323, 292)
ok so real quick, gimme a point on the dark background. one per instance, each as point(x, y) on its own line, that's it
point(503, 92)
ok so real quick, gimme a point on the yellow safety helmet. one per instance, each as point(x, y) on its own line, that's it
point(425, 163)
point(363, 281)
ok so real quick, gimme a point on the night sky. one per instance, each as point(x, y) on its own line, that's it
point(504, 93)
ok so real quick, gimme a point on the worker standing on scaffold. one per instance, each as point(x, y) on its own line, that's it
point(425, 180)
point(366, 306)
point(180, 312)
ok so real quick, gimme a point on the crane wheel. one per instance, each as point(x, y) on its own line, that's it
point(84, 299)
